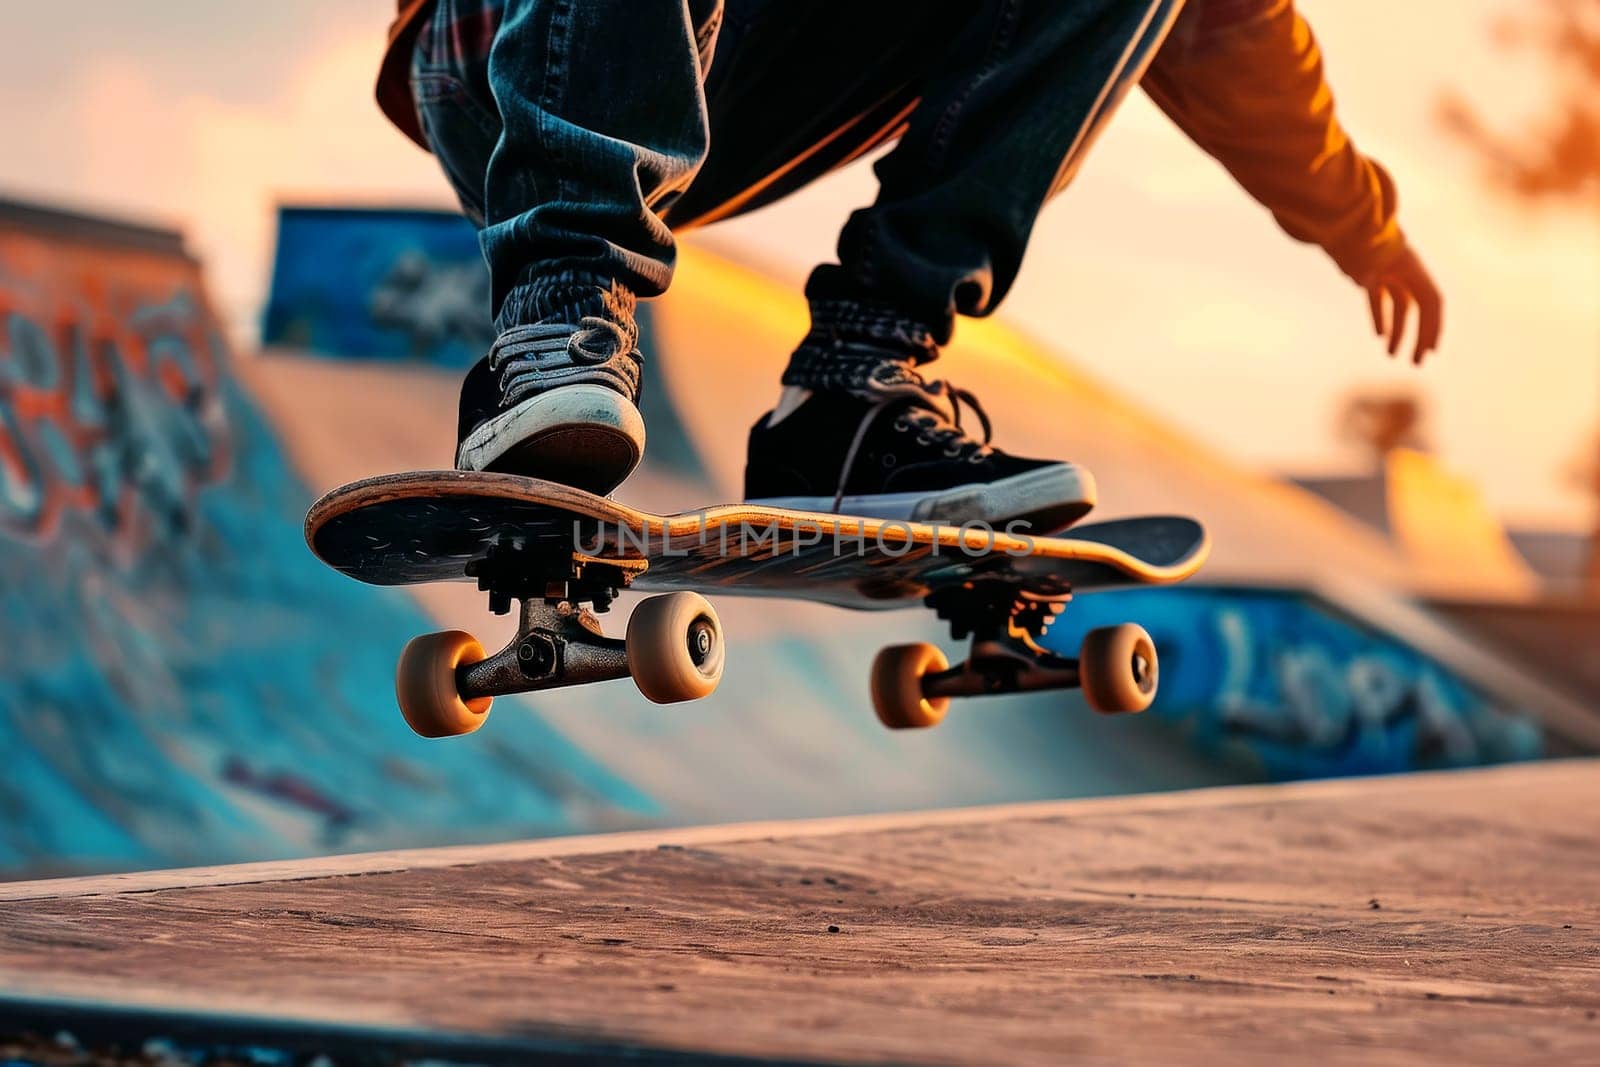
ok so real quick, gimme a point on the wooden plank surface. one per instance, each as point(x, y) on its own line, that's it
point(1436, 919)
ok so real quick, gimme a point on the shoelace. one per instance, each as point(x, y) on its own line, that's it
point(523, 354)
point(933, 426)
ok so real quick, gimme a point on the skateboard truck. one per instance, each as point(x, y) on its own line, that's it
point(673, 650)
point(912, 685)
point(556, 644)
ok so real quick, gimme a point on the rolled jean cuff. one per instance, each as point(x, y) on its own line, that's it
point(854, 342)
point(566, 297)
point(927, 324)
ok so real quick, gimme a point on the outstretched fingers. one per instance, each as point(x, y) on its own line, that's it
point(1400, 287)
point(1430, 323)
point(1400, 298)
point(1375, 303)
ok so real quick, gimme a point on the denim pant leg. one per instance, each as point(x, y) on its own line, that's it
point(565, 127)
point(801, 87)
point(1003, 124)
point(603, 120)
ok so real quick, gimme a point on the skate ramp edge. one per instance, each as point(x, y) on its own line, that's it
point(1499, 668)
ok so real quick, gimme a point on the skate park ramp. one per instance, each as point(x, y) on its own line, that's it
point(1541, 616)
point(178, 681)
point(182, 683)
point(1438, 521)
point(1557, 636)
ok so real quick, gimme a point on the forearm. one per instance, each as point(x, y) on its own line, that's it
point(1244, 79)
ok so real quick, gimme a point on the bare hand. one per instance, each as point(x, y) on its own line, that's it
point(1393, 290)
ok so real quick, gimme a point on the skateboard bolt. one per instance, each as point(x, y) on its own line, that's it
point(1141, 671)
point(701, 640)
point(536, 657)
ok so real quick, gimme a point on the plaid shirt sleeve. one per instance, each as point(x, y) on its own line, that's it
point(394, 72)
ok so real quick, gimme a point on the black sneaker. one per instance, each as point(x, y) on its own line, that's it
point(555, 401)
point(897, 450)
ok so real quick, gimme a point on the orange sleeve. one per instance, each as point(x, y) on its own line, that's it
point(1244, 79)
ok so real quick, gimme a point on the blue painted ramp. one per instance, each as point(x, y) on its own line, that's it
point(179, 681)
point(1286, 685)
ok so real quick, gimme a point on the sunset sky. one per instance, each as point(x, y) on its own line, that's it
point(1153, 272)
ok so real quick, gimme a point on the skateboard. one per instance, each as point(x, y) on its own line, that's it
point(563, 555)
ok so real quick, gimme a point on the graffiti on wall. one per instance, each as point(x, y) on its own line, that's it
point(107, 412)
point(175, 686)
point(1288, 685)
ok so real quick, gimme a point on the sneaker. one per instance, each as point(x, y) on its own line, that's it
point(896, 449)
point(557, 402)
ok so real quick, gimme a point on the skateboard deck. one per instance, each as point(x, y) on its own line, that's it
point(564, 555)
point(431, 526)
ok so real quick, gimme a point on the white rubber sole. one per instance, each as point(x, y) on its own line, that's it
point(586, 436)
point(1048, 499)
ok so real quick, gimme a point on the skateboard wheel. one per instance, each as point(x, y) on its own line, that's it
point(675, 648)
point(1118, 669)
point(425, 684)
point(897, 673)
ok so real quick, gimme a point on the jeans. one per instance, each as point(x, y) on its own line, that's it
point(580, 134)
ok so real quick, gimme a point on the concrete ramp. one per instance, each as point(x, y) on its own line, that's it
point(1428, 919)
point(1558, 637)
